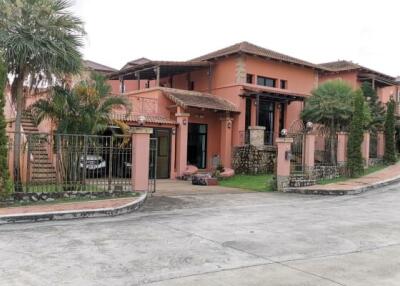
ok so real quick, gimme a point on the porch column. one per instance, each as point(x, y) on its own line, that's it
point(173, 148)
point(365, 148)
point(253, 119)
point(283, 147)
point(309, 150)
point(182, 120)
point(226, 141)
point(140, 158)
point(257, 135)
point(380, 148)
point(341, 151)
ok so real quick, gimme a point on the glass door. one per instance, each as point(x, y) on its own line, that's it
point(266, 118)
point(197, 145)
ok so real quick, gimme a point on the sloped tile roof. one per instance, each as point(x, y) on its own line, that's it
point(185, 98)
point(97, 67)
point(343, 65)
point(249, 48)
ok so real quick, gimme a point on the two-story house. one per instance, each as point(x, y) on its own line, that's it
point(201, 108)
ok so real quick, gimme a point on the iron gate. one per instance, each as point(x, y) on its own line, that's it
point(297, 132)
point(67, 162)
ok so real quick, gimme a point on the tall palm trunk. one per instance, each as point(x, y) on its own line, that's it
point(18, 88)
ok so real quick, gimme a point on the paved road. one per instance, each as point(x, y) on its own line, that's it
point(212, 239)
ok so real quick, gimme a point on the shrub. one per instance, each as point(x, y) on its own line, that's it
point(389, 156)
point(355, 161)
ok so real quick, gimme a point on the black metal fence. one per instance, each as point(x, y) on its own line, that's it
point(65, 162)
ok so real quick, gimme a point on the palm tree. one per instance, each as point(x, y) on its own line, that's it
point(40, 40)
point(331, 105)
point(86, 109)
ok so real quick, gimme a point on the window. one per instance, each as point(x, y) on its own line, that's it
point(283, 84)
point(191, 85)
point(121, 86)
point(249, 78)
point(266, 81)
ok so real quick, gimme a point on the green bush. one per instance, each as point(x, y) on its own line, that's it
point(390, 151)
point(355, 161)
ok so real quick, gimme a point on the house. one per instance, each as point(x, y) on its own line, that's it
point(201, 108)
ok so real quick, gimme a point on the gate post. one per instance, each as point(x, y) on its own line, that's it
point(365, 148)
point(309, 151)
point(140, 158)
point(341, 154)
point(283, 147)
point(380, 146)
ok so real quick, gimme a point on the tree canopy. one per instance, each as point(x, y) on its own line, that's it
point(330, 105)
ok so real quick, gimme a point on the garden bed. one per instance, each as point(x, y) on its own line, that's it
point(261, 183)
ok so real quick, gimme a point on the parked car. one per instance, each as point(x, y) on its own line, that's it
point(96, 166)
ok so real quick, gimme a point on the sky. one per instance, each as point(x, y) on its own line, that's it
point(363, 31)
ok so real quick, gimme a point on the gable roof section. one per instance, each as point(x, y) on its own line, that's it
point(139, 61)
point(91, 65)
point(342, 65)
point(249, 48)
point(185, 98)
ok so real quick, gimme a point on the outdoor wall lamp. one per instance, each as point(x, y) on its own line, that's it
point(284, 132)
point(184, 121)
point(141, 120)
point(173, 131)
point(229, 124)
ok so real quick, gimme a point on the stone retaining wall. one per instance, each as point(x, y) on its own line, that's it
point(24, 197)
point(253, 160)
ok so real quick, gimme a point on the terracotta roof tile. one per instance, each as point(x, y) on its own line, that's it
point(249, 48)
point(197, 99)
point(97, 67)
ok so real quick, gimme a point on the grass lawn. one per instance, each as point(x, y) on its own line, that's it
point(344, 178)
point(259, 183)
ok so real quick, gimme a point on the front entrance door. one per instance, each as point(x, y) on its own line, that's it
point(197, 145)
point(163, 136)
point(266, 118)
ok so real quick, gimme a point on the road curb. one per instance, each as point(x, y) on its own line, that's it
point(75, 214)
point(332, 192)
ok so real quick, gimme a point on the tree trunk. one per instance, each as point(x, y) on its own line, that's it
point(19, 85)
point(332, 142)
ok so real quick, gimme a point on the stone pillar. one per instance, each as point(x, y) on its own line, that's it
point(283, 147)
point(140, 158)
point(257, 135)
point(380, 148)
point(365, 148)
point(341, 154)
point(181, 142)
point(226, 141)
point(309, 151)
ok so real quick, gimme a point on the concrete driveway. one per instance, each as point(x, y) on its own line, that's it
point(216, 239)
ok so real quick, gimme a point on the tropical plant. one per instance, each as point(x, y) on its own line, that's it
point(40, 41)
point(5, 184)
point(330, 105)
point(377, 110)
point(84, 109)
point(355, 161)
point(389, 156)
